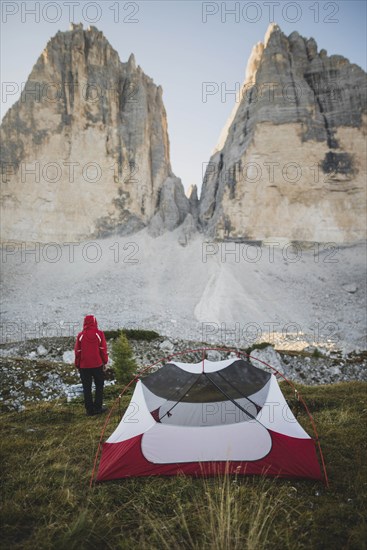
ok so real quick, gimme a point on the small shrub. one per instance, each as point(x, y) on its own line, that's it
point(124, 363)
point(132, 334)
point(140, 334)
point(112, 334)
point(260, 345)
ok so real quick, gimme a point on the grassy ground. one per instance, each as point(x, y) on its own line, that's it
point(47, 457)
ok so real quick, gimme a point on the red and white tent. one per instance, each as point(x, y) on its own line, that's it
point(209, 418)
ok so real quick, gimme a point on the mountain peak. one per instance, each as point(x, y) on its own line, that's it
point(131, 62)
point(272, 28)
point(76, 26)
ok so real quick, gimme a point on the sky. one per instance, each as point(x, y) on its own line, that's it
point(186, 47)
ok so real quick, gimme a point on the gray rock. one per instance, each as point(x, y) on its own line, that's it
point(42, 351)
point(187, 230)
point(156, 225)
point(68, 357)
point(166, 345)
point(334, 371)
point(351, 288)
point(269, 356)
point(173, 207)
point(72, 391)
point(194, 201)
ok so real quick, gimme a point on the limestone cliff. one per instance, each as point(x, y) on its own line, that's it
point(291, 160)
point(85, 150)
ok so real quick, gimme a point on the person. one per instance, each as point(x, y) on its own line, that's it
point(91, 358)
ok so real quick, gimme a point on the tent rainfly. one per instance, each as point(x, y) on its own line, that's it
point(209, 418)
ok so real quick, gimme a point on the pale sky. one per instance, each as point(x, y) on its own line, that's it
point(181, 45)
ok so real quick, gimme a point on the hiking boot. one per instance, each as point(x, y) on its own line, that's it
point(90, 413)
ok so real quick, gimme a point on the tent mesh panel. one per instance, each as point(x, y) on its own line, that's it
point(238, 380)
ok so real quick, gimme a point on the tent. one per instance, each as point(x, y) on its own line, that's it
point(209, 418)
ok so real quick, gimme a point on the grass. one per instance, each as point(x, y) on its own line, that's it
point(47, 455)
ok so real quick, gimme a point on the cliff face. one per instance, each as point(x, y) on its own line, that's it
point(85, 149)
point(291, 160)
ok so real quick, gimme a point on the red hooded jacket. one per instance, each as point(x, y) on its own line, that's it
point(90, 346)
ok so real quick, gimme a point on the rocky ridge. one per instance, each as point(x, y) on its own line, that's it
point(86, 149)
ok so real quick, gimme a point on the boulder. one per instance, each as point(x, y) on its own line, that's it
point(68, 357)
point(42, 351)
point(166, 345)
point(351, 288)
point(269, 356)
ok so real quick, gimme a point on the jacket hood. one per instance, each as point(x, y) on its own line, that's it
point(90, 322)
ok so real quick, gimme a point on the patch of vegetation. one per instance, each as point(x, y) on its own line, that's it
point(47, 459)
point(132, 334)
point(260, 345)
point(112, 334)
point(140, 334)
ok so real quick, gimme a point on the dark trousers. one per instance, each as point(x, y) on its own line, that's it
point(87, 375)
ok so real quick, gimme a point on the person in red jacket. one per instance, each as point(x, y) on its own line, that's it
point(91, 358)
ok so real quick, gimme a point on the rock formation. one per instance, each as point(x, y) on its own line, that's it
point(85, 150)
point(291, 160)
point(194, 201)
